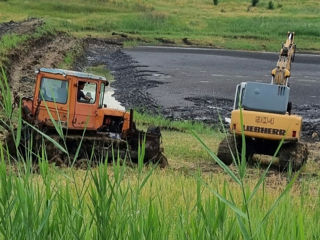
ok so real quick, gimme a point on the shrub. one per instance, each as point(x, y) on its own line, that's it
point(254, 2)
point(270, 5)
point(215, 2)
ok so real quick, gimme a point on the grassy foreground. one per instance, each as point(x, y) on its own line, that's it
point(113, 201)
point(233, 24)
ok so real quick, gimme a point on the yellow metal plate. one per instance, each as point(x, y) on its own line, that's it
point(266, 125)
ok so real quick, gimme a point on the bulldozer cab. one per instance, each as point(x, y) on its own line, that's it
point(71, 98)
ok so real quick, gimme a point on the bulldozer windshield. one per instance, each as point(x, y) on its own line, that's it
point(54, 90)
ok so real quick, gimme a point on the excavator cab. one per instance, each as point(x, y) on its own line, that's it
point(262, 97)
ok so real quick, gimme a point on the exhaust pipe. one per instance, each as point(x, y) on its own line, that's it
point(131, 119)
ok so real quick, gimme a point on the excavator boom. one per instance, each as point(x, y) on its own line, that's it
point(281, 73)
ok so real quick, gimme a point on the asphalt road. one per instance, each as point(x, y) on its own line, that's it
point(187, 72)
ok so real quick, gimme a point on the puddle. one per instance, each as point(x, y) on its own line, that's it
point(110, 101)
point(161, 75)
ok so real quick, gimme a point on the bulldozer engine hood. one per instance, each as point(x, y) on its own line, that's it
point(113, 113)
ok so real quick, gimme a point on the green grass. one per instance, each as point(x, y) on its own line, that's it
point(101, 70)
point(231, 24)
point(9, 42)
point(98, 204)
point(187, 151)
point(70, 57)
point(185, 126)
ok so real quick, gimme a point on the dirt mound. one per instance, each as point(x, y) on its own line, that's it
point(47, 51)
point(24, 27)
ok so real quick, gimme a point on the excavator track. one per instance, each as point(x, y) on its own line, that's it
point(293, 155)
point(228, 146)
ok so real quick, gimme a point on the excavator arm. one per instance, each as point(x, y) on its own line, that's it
point(281, 73)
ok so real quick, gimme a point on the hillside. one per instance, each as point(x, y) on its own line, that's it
point(233, 24)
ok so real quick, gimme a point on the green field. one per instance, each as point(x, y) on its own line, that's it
point(232, 24)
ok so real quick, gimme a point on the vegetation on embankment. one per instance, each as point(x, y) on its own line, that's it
point(232, 24)
point(15, 40)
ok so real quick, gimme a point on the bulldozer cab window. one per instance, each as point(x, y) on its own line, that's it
point(54, 90)
point(86, 92)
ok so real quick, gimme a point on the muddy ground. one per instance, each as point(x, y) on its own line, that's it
point(25, 27)
point(46, 51)
point(132, 80)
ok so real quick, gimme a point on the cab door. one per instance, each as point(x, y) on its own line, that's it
point(52, 100)
point(85, 109)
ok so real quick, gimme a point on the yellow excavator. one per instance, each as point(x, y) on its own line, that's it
point(265, 113)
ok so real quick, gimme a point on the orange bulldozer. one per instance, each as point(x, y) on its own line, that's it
point(74, 103)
